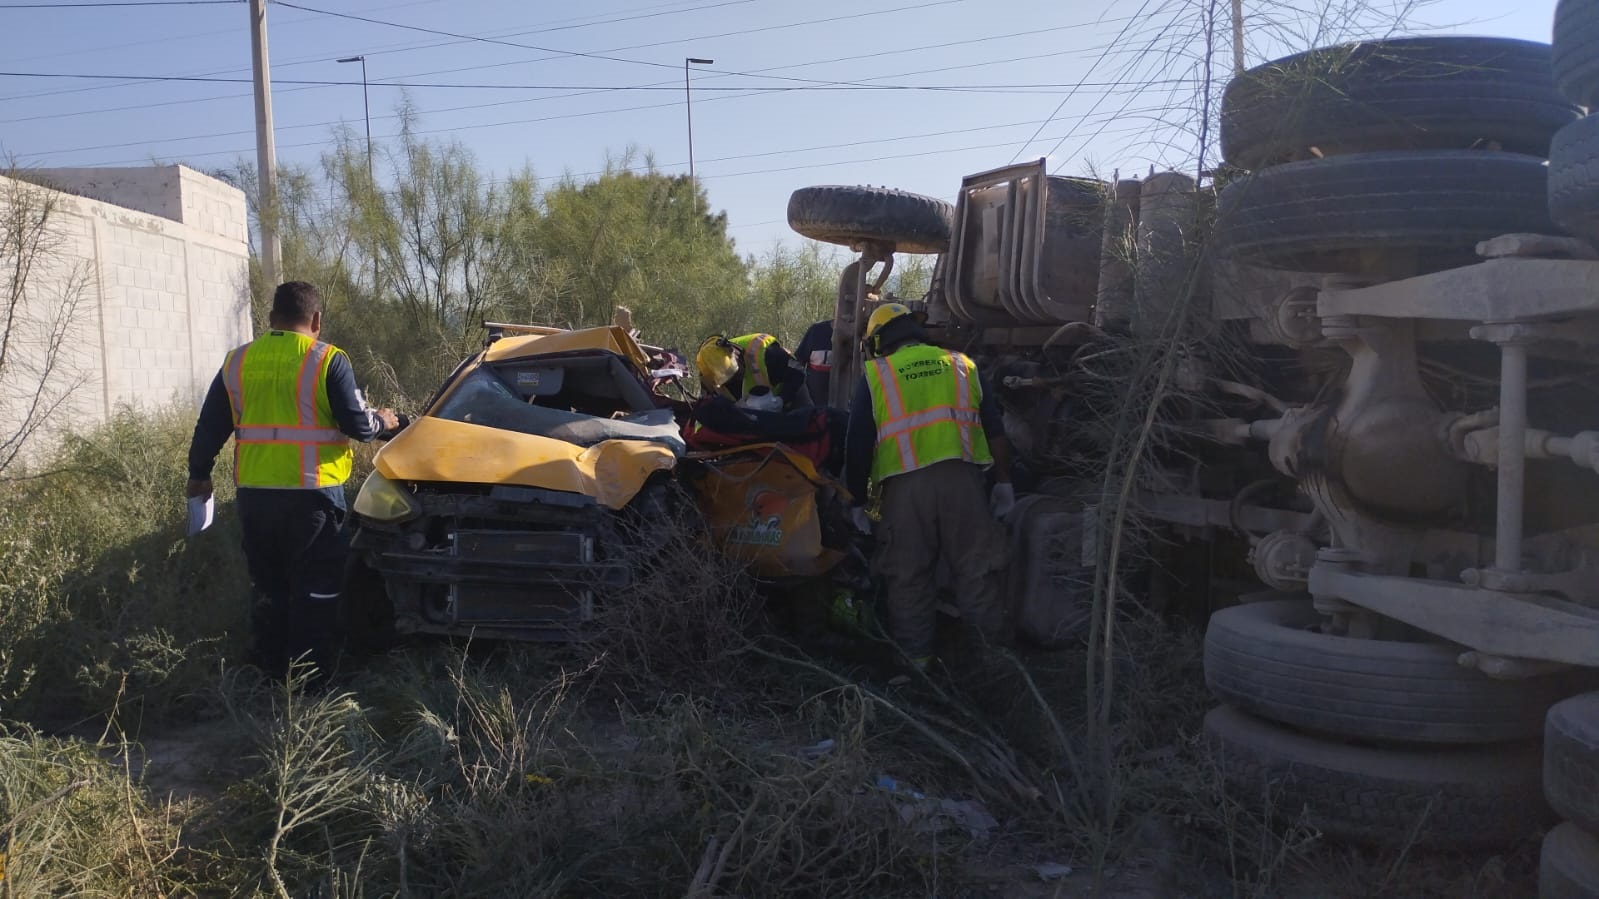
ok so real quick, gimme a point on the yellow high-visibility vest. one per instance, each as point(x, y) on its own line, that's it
point(925, 401)
point(284, 432)
point(753, 347)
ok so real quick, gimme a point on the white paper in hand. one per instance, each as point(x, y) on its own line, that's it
point(201, 512)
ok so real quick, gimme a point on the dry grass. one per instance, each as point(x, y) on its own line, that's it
point(667, 758)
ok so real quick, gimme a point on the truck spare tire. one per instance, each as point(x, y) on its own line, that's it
point(846, 215)
point(1390, 214)
point(1424, 93)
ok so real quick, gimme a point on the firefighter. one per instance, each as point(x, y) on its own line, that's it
point(741, 368)
point(290, 403)
point(924, 431)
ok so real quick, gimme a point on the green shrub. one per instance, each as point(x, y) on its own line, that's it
point(103, 603)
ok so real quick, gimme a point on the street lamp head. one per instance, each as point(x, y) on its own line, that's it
point(353, 59)
point(700, 62)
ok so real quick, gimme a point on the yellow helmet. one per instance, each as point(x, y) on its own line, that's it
point(717, 361)
point(881, 317)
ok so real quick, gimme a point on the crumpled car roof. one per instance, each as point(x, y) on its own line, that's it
point(608, 339)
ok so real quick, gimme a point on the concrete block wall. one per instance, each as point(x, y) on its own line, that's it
point(164, 267)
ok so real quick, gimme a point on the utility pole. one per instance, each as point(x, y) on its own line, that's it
point(688, 104)
point(266, 154)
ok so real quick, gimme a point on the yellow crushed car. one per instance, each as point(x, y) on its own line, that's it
point(542, 467)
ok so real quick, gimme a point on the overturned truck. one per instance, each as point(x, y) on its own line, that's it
point(1355, 371)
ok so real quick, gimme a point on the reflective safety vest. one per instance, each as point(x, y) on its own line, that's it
point(752, 348)
point(925, 401)
point(284, 432)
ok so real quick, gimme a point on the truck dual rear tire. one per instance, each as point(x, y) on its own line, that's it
point(1568, 866)
point(1575, 55)
point(1455, 797)
point(1574, 178)
point(1394, 214)
point(1423, 93)
point(1571, 760)
point(1264, 658)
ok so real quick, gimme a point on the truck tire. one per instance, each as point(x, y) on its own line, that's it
point(1574, 178)
point(1571, 760)
point(847, 215)
point(1456, 797)
point(1575, 55)
point(1568, 865)
point(1423, 93)
point(1264, 659)
point(1394, 214)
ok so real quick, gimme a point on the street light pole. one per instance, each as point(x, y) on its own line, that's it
point(688, 105)
point(366, 107)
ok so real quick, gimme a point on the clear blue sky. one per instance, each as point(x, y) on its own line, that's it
point(822, 92)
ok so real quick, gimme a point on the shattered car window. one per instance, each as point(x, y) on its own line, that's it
point(483, 398)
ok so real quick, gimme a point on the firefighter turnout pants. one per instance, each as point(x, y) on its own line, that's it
point(932, 514)
point(295, 547)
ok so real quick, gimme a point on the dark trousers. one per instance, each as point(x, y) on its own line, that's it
point(933, 514)
point(295, 547)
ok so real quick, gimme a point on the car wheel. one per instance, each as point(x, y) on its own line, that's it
point(847, 215)
point(1426, 93)
point(1571, 760)
point(1392, 214)
point(1266, 659)
point(1438, 797)
point(1575, 55)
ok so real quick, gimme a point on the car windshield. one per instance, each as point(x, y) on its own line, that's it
point(582, 401)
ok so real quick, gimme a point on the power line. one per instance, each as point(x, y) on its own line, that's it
point(1067, 99)
point(1113, 87)
point(853, 143)
point(734, 92)
point(323, 143)
point(543, 29)
point(393, 48)
point(1110, 86)
point(596, 88)
point(695, 39)
point(188, 35)
point(122, 3)
point(473, 38)
point(1144, 54)
point(566, 53)
point(673, 82)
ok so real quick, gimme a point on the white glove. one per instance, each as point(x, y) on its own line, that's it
point(857, 517)
point(1002, 500)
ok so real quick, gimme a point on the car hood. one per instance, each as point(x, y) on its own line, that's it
point(435, 450)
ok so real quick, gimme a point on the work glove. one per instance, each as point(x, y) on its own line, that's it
point(857, 517)
point(1002, 500)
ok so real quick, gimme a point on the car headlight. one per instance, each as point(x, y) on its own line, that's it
point(382, 500)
